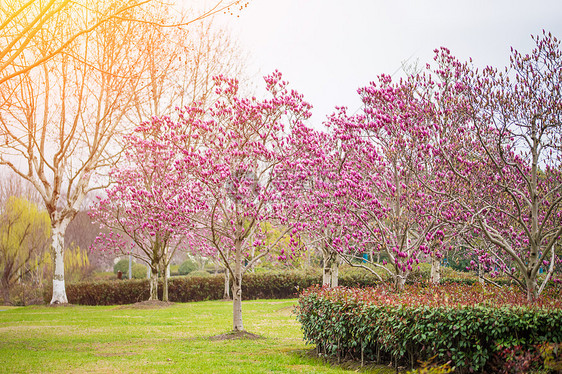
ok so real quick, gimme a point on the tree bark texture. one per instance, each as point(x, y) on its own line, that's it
point(58, 229)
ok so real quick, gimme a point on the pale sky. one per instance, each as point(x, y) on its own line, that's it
point(327, 49)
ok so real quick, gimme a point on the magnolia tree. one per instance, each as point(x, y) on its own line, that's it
point(134, 208)
point(311, 196)
point(516, 117)
point(362, 189)
point(385, 163)
point(494, 159)
point(229, 152)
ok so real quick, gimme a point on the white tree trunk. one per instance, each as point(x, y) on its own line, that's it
point(532, 287)
point(226, 294)
point(237, 324)
point(153, 284)
point(165, 290)
point(57, 245)
point(435, 270)
point(400, 282)
point(326, 273)
point(330, 268)
point(335, 271)
point(480, 274)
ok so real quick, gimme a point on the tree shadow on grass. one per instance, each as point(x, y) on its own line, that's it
point(236, 335)
point(148, 304)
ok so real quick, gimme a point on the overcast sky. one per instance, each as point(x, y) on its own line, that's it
point(327, 49)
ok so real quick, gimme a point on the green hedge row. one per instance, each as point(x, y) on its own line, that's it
point(377, 325)
point(267, 285)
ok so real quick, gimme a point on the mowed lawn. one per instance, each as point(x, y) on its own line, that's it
point(175, 339)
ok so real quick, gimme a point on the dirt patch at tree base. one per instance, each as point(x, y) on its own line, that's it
point(58, 305)
point(236, 335)
point(148, 304)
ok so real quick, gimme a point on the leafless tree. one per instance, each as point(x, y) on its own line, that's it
point(24, 23)
point(69, 71)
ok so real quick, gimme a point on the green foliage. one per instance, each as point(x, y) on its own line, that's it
point(22, 219)
point(139, 271)
point(459, 263)
point(552, 355)
point(273, 285)
point(187, 267)
point(174, 270)
point(122, 266)
point(209, 268)
point(101, 276)
point(199, 273)
point(24, 242)
point(76, 264)
point(465, 325)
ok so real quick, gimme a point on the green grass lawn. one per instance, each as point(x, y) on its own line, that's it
point(113, 339)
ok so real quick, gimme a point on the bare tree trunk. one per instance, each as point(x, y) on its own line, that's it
point(59, 290)
point(480, 274)
point(335, 271)
point(326, 269)
point(330, 268)
point(226, 294)
point(165, 290)
point(153, 283)
point(237, 324)
point(532, 288)
point(435, 270)
point(399, 282)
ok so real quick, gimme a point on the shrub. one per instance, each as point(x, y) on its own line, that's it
point(274, 285)
point(210, 268)
point(139, 271)
point(121, 266)
point(199, 273)
point(515, 359)
point(174, 270)
point(462, 324)
point(22, 294)
point(105, 292)
point(101, 276)
point(187, 267)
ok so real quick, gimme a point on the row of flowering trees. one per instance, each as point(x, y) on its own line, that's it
point(451, 157)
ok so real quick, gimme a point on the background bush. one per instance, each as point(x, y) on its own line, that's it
point(272, 285)
point(259, 285)
point(199, 273)
point(139, 271)
point(121, 266)
point(187, 267)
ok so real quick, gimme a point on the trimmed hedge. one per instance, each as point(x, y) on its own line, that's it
point(263, 285)
point(465, 325)
point(271, 285)
point(267, 285)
